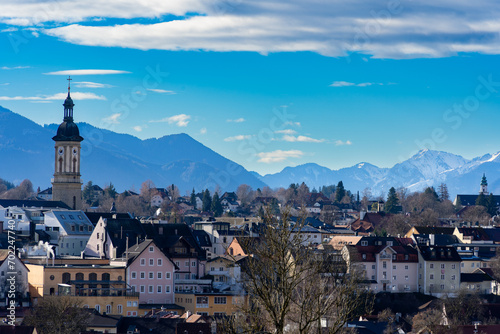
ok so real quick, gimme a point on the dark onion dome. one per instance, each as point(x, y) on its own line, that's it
point(68, 131)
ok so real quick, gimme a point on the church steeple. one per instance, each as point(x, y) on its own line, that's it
point(68, 104)
point(66, 184)
point(484, 185)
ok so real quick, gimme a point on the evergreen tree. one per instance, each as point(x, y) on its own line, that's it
point(340, 192)
point(491, 206)
point(193, 199)
point(392, 203)
point(110, 191)
point(443, 192)
point(207, 201)
point(482, 200)
point(431, 192)
point(216, 205)
point(88, 193)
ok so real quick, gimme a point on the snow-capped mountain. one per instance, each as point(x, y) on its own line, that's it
point(426, 168)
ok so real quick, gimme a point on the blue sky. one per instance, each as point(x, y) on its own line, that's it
point(267, 84)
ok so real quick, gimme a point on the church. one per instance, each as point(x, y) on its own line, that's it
point(468, 200)
point(67, 184)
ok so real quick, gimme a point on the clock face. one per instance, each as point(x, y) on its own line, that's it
point(61, 151)
point(75, 152)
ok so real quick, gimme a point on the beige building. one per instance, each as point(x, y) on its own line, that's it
point(98, 286)
point(213, 304)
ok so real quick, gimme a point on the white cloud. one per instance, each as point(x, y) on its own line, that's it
point(162, 91)
point(238, 138)
point(286, 132)
point(402, 29)
point(5, 84)
point(303, 139)
point(88, 84)
point(203, 131)
point(180, 120)
point(342, 143)
point(11, 29)
point(348, 84)
point(59, 96)
point(113, 119)
point(138, 128)
point(238, 120)
point(296, 124)
point(86, 72)
point(278, 155)
point(14, 68)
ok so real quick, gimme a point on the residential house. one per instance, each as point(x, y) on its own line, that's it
point(479, 282)
point(69, 230)
point(13, 279)
point(151, 273)
point(388, 263)
point(438, 270)
point(226, 272)
point(211, 303)
point(45, 195)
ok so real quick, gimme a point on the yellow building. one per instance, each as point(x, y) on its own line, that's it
point(98, 286)
point(210, 303)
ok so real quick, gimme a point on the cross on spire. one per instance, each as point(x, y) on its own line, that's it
point(69, 82)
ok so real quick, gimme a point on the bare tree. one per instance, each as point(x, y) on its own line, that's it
point(245, 194)
point(293, 288)
point(58, 315)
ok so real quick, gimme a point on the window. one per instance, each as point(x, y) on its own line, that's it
point(158, 288)
point(62, 216)
point(442, 286)
point(364, 256)
point(80, 228)
point(406, 267)
point(219, 300)
point(406, 256)
point(186, 276)
point(420, 265)
point(419, 276)
point(384, 264)
point(384, 275)
point(119, 308)
point(442, 276)
point(373, 266)
point(167, 288)
point(364, 243)
point(202, 301)
point(177, 264)
point(89, 228)
point(98, 308)
point(134, 275)
point(193, 276)
point(151, 262)
point(389, 243)
point(177, 276)
point(212, 268)
point(143, 275)
point(394, 256)
point(393, 267)
point(97, 235)
point(186, 263)
point(393, 278)
point(406, 278)
point(442, 265)
point(453, 266)
point(167, 275)
point(108, 309)
point(373, 276)
point(472, 265)
point(193, 264)
point(431, 276)
point(150, 289)
point(221, 268)
point(159, 262)
point(431, 265)
point(143, 289)
point(452, 277)
point(151, 275)
point(159, 274)
point(71, 217)
point(151, 249)
point(143, 262)
point(462, 264)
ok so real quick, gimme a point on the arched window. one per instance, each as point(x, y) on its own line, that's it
point(119, 309)
point(108, 309)
point(79, 286)
point(98, 308)
point(60, 165)
point(92, 285)
point(105, 287)
point(74, 165)
point(66, 277)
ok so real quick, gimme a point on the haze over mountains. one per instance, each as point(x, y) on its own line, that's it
point(126, 161)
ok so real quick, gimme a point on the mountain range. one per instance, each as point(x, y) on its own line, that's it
point(127, 161)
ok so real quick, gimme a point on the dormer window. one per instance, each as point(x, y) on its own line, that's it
point(364, 243)
point(364, 256)
point(394, 256)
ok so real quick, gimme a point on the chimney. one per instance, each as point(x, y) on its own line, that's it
point(432, 239)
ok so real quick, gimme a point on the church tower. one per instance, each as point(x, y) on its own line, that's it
point(484, 186)
point(66, 184)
